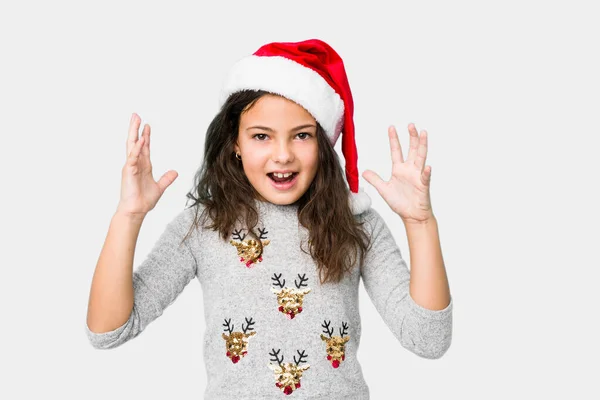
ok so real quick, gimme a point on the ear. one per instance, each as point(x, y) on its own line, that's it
point(276, 368)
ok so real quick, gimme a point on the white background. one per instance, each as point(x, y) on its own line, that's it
point(507, 91)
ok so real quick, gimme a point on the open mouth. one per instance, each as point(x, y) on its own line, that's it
point(280, 180)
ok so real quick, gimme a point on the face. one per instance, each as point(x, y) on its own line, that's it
point(278, 136)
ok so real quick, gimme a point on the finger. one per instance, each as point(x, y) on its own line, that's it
point(148, 142)
point(132, 137)
point(135, 152)
point(414, 143)
point(165, 181)
point(395, 147)
point(421, 151)
point(146, 147)
point(373, 178)
point(426, 175)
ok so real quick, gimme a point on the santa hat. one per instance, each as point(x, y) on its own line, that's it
point(312, 74)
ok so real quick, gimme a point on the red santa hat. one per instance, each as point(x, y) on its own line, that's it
point(312, 74)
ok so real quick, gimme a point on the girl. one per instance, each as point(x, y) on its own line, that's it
point(277, 240)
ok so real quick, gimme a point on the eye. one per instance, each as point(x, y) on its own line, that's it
point(305, 133)
point(259, 134)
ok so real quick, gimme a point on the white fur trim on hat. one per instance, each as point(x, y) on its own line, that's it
point(359, 202)
point(292, 80)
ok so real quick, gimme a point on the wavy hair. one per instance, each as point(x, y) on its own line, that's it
point(337, 240)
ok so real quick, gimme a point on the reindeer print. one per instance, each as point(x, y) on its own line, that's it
point(287, 376)
point(250, 251)
point(290, 299)
point(335, 344)
point(236, 343)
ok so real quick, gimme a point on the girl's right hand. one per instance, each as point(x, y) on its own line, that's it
point(139, 191)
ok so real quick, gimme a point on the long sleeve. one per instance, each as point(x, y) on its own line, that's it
point(386, 278)
point(157, 282)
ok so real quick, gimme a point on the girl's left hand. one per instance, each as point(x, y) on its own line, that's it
point(407, 191)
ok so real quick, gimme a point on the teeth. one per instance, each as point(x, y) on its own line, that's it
point(282, 175)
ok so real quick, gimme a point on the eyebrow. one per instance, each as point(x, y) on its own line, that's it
point(266, 128)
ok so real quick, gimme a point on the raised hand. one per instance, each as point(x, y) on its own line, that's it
point(407, 191)
point(139, 191)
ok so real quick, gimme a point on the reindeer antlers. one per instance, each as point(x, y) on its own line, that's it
point(345, 331)
point(303, 279)
point(248, 327)
point(326, 326)
point(302, 355)
point(237, 235)
point(276, 355)
point(298, 361)
point(278, 282)
point(228, 328)
point(262, 232)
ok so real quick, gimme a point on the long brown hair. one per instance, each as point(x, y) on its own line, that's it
point(336, 238)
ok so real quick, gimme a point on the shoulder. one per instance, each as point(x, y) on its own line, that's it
point(375, 224)
point(185, 218)
point(186, 214)
point(372, 221)
point(370, 216)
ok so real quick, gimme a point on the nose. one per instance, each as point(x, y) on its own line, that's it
point(283, 153)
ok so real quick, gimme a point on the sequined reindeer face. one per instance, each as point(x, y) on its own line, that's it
point(335, 344)
point(290, 299)
point(250, 251)
point(236, 343)
point(287, 376)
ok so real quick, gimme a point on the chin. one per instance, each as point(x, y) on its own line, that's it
point(281, 199)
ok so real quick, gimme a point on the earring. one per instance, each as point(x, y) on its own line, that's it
point(238, 156)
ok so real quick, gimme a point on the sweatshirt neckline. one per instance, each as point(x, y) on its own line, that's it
point(266, 207)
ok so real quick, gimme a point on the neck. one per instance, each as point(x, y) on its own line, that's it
point(267, 206)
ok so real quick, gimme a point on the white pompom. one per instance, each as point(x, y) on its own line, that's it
point(359, 202)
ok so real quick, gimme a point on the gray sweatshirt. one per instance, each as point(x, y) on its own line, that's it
point(271, 328)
